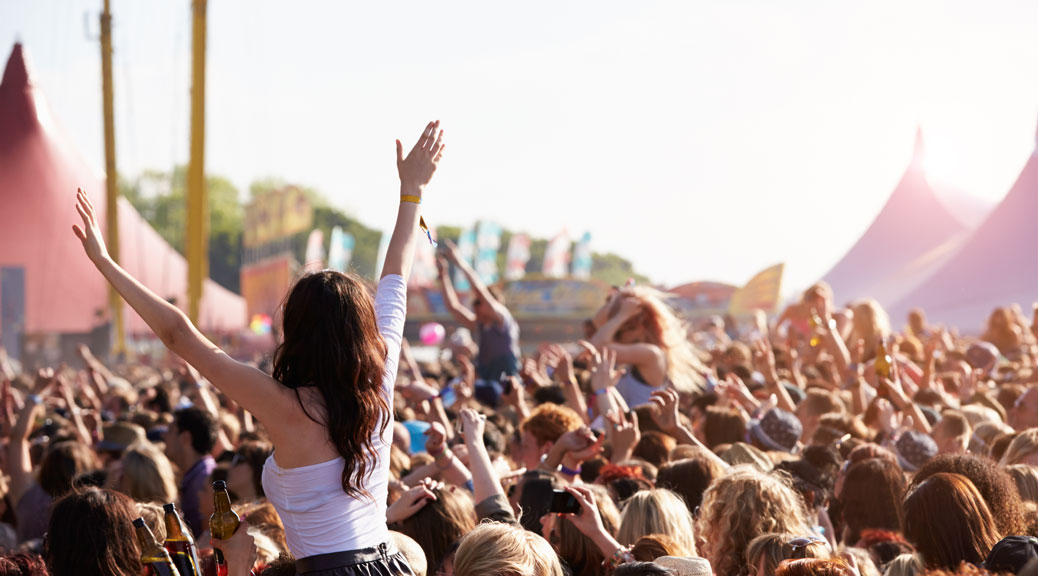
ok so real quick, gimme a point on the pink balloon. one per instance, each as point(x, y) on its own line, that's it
point(431, 333)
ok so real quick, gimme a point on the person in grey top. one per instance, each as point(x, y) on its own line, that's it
point(497, 330)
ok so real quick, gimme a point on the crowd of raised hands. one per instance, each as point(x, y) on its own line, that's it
point(826, 442)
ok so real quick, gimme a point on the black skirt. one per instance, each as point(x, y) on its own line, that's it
point(377, 561)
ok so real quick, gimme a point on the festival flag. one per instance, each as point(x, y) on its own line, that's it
point(488, 242)
point(340, 249)
point(380, 258)
point(518, 256)
point(556, 256)
point(467, 251)
point(314, 255)
point(762, 292)
point(582, 257)
point(423, 270)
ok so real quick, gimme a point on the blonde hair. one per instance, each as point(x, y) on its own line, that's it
point(1025, 444)
point(774, 548)
point(741, 506)
point(904, 565)
point(147, 474)
point(1026, 478)
point(155, 517)
point(666, 330)
point(495, 549)
point(657, 511)
point(871, 324)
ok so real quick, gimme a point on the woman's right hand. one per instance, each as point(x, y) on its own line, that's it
point(90, 233)
point(239, 551)
point(588, 521)
point(417, 169)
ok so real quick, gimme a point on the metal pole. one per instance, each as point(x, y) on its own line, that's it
point(115, 303)
point(197, 201)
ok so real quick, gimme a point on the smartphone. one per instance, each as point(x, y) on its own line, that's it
point(506, 383)
point(563, 502)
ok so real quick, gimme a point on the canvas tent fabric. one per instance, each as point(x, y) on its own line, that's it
point(909, 239)
point(39, 174)
point(997, 266)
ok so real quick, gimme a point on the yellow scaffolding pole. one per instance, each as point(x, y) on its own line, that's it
point(197, 201)
point(115, 303)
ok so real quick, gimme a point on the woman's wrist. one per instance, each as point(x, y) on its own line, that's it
point(605, 543)
point(411, 190)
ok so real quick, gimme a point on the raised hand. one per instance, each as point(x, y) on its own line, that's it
point(665, 409)
point(90, 233)
point(411, 501)
point(435, 438)
point(588, 521)
point(472, 425)
point(580, 444)
point(624, 435)
point(604, 374)
point(416, 170)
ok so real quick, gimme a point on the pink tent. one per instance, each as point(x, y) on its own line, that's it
point(912, 235)
point(48, 286)
point(997, 266)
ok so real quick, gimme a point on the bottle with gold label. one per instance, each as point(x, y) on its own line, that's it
point(223, 523)
point(883, 363)
point(155, 559)
point(180, 543)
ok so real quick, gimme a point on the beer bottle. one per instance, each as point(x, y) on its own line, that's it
point(816, 323)
point(223, 523)
point(180, 543)
point(883, 362)
point(155, 559)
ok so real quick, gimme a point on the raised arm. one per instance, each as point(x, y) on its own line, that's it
point(463, 315)
point(246, 385)
point(415, 172)
point(474, 280)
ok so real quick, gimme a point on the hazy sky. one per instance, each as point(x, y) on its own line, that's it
point(701, 140)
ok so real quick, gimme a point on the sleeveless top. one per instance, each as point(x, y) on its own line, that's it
point(498, 349)
point(319, 517)
point(634, 390)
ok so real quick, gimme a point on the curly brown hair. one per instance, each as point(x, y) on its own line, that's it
point(739, 507)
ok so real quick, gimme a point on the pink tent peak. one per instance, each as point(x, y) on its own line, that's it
point(39, 174)
point(995, 267)
point(911, 235)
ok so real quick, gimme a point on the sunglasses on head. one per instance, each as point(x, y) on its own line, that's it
point(799, 545)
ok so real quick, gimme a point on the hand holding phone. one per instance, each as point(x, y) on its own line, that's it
point(562, 502)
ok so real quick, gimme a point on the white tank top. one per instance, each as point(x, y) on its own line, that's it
point(319, 517)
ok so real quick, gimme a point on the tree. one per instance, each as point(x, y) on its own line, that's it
point(160, 199)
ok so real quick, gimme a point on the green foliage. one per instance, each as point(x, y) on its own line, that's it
point(160, 198)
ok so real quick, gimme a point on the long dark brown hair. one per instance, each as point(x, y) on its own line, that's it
point(330, 340)
point(91, 534)
point(948, 522)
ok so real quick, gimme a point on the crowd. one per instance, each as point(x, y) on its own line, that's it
point(826, 442)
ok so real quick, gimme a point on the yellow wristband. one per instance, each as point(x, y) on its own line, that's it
point(411, 199)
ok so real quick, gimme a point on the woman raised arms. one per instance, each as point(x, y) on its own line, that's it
point(326, 407)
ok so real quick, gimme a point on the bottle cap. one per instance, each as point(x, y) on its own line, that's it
point(219, 485)
point(168, 508)
point(139, 523)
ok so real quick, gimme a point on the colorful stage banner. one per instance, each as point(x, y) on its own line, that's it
point(517, 257)
point(762, 292)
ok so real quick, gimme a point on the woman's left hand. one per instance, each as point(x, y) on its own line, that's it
point(416, 170)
